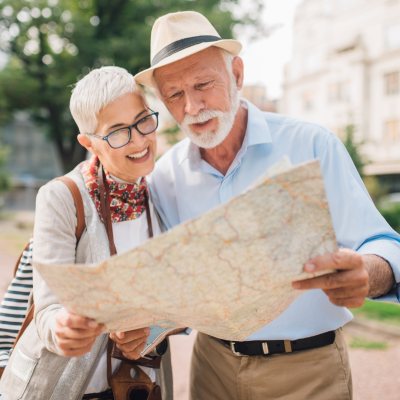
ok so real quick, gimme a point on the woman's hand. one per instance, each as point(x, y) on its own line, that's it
point(75, 334)
point(131, 343)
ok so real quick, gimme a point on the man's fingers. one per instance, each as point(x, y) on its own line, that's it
point(129, 336)
point(344, 259)
point(358, 277)
point(345, 293)
point(351, 302)
point(135, 354)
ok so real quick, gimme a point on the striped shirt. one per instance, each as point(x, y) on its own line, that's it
point(13, 308)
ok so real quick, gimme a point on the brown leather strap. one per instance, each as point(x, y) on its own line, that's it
point(105, 209)
point(27, 321)
point(80, 211)
point(109, 369)
point(146, 196)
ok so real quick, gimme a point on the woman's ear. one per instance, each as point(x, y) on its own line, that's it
point(87, 144)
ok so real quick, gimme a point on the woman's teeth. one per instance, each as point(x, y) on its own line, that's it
point(139, 155)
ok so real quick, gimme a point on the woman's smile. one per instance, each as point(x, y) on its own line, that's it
point(139, 156)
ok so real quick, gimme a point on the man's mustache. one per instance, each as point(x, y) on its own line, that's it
point(202, 116)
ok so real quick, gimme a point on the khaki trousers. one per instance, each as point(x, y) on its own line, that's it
point(318, 374)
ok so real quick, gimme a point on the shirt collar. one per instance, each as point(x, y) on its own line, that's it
point(257, 127)
point(118, 180)
point(257, 132)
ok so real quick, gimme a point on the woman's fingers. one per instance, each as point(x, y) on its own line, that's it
point(75, 334)
point(68, 333)
point(129, 336)
point(67, 319)
point(73, 344)
point(77, 352)
point(131, 346)
point(135, 354)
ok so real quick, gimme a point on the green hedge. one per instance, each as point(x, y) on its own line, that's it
point(384, 312)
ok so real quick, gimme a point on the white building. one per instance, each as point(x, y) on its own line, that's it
point(345, 68)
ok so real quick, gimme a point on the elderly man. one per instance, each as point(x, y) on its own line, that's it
point(230, 143)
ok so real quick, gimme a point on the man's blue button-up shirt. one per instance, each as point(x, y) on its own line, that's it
point(184, 186)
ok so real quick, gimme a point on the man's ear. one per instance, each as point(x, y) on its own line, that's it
point(238, 71)
point(87, 144)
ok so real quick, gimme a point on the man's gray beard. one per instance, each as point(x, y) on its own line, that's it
point(211, 139)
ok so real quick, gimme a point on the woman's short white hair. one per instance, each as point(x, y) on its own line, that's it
point(98, 89)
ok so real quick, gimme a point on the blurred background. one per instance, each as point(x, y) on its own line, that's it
point(334, 62)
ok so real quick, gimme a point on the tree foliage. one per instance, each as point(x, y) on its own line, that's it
point(4, 175)
point(173, 134)
point(53, 43)
point(392, 215)
point(354, 149)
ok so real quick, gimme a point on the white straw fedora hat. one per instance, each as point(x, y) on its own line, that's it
point(178, 35)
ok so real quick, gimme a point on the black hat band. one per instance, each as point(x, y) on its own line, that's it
point(181, 45)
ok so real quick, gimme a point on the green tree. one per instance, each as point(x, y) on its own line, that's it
point(173, 134)
point(374, 187)
point(354, 149)
point(4, 176)
point(392, 215)
point(53, 43)
point(377, 191)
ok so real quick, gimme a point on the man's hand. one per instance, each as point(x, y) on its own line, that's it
point(131, 343)
point(348, 287)
point(75, 334)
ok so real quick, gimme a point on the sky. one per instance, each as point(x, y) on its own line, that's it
point(265, 59)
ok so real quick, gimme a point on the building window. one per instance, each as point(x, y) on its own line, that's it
point(312, 62)
point(339, 92)
point(393, 36)
point(392, 131)
point(332, 93)
point(326, 7)
point(348, 4)
point(392, 83)
point(308, 101)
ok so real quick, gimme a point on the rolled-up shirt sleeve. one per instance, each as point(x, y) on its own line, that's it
point(357, 223)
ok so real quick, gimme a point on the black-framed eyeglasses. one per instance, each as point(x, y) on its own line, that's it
point(122, 136)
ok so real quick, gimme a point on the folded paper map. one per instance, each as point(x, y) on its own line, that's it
point(227, 273)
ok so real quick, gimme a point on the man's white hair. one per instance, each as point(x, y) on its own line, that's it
point(97, 90)
point(228, 59)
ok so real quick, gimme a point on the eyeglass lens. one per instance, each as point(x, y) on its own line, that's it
point(145, 126)
point(119, 138)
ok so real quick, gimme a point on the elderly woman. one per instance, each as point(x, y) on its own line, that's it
point(64, 355)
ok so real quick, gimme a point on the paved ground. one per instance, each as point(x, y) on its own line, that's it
point(375, 372)
point(15, 231)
